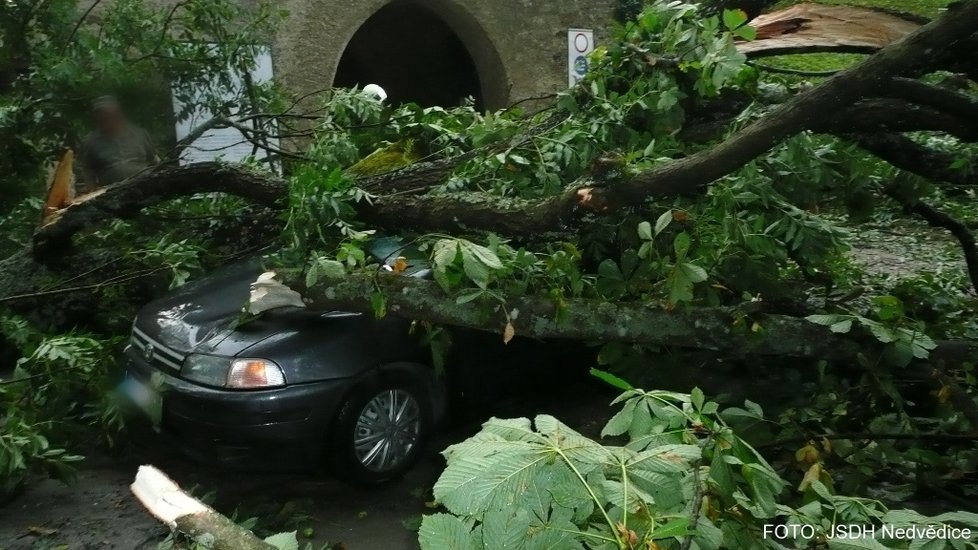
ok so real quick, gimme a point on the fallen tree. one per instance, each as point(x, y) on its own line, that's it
point(606, 218)
point(874, 103)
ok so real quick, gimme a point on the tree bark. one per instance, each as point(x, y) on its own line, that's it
point(165, 501)
point(128, 198)
point(944, 99)
point(906, 154)
point(737, 332)
point(878, 115)
point(804, 111)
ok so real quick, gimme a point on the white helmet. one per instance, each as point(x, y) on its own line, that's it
point(375, 91)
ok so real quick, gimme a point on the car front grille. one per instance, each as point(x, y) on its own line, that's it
point(155, 353)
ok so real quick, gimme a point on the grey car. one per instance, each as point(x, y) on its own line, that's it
point(292, 389)
point(298, 389)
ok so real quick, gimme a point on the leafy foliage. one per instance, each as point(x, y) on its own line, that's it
point(54, 61)
point(58, 379)
point(681, 479)
point(769, 234)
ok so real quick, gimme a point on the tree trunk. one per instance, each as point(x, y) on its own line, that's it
point(165, 501)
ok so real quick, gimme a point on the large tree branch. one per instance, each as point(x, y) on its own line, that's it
point(907, 154)
point(692, 174)
point(128, 198)
point(944, 99)
point(686, 176)
point(898, 115)
point(729, 330)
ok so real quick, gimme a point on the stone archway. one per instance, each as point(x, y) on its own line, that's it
point(431, 52)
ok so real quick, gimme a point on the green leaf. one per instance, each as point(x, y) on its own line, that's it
point(284, 541)
point(697, 398)
point(331, 269)
point(611, 379)
point(469, 297)
point(645, 231)
point(674, 528)
point(663, 222)
point(312, 276)
point(733, 19)
point(841, 327)
point(445, 532)
point(481, 476)
point(478, 262)
point(621, 421)
point(881, 332)
point(680, 286)
point(611, 281)
point(693, 272)
point(746, 32)
point(766, 485)
point(681, 245)
point(506, 527)
point(708, 536)
point(483, 254)
point(445, 253)
point(889, 307)
point(379, 304)
point(825, 320)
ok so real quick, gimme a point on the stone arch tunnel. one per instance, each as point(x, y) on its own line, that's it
point(435, 52)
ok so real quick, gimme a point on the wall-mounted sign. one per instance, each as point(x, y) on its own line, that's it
point(580, 44)
point(227, 144)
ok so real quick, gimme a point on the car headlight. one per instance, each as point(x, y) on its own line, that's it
point(209, 370)
point(254, 374)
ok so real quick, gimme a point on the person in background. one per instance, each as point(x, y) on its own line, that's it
point(115, 151)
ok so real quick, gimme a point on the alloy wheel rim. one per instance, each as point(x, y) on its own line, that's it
point(387, 430)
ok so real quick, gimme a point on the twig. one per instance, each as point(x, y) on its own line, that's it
point(38, 375)
point(81, 21)
point(529, 99)
point(93, 286)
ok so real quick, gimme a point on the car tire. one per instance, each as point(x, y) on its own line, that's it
point(381, 431)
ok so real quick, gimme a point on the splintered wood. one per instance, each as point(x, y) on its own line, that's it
point(61, 191)
point(808, 28)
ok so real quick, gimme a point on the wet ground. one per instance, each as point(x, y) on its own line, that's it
point(99, 512)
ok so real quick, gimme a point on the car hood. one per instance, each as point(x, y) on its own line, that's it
point(203, 316)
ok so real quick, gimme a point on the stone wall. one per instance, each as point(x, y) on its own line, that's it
point(519, 47)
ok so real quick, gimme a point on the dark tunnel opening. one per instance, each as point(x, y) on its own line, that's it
point(414, 55)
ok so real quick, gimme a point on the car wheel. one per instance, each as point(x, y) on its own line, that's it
point(381, 431)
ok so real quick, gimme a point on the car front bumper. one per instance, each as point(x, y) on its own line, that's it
point(276, 429)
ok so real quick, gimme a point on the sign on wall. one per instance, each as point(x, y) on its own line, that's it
point(580, 44)
point(226, 144)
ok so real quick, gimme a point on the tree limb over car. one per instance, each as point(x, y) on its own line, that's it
point(862, 95)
